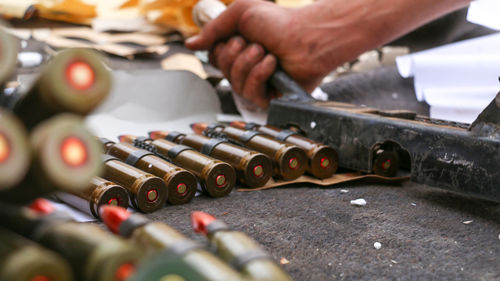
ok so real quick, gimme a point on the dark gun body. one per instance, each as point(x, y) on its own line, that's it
point(452, 156)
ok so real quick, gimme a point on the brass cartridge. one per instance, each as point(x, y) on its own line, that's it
point(289, 161)
point(15, 154)
point(93, 254)
point(181, 184)
point(9, 47)
point(386, 163)
point(148, 193)
point(23, 260)
point(74, 81)
point(252, 168)
point(155, 237)
point(322, 159)
point(100, 192)
point(65, 156)
point(238, 249)
point(217, 178)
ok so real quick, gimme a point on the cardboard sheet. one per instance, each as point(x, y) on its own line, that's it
point(335, 179)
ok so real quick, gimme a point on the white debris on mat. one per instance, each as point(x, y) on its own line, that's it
point(394, 262)
point(284, 261)
point(377, 245)
point(344, 191)
point(468, 222)
point(358, 202)
point(413, 204)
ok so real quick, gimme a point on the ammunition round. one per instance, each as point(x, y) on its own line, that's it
point(386, 163)
point(23, 260)
point(322, 159)
point(157, 237)
point(252, 168)
point(99, 256)
point(217, 178)
point(101, 192)
point(8, 55)
point(181, 184)
point(238, 249)
point(148, 193)
point(14, 151)
point(74, 81)
point(66, 155)
point(289, 161)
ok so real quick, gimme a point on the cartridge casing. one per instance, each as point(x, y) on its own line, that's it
point(15, 153)
point(181, 184)
point(23, 260)
point(8, 56)
point(252, 168)
point(322, 159)
point(289, 161)
point(74, 81)
point(217, 178)
point(100, 192)
point(148, 193)
point(246, 255)
point(154, 237)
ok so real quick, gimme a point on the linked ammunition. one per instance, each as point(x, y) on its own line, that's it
point(289, 161)
point(181, 184)
point(252, 168)
point(100, 192)
point(15, 154)
point(217, 178)
point(92, 253)
point(322, 159)
point(8, 56)
point(23, 260)
point(74, 81)
point(155, 237)
point(238, 249)
point(386, 162)
point(148, 193)
point(65, 156)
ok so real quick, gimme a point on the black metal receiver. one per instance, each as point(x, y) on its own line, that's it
point(454, 156)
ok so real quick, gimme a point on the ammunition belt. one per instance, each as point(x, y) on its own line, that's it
point(105, 140)
point(131, 223)
point(173, 135)
point(183, 247)
point(216, 225)
point(283, 135)
point(244, 258)
point(251, 126)
point(135, 156)
point(248, 135)
point(176, 150)
point(107, 157)
point(209, 146)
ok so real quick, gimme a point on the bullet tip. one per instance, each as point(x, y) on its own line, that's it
point(154, 135)
point(126, 138)
point(42, 206)
point(238, 124)
point(113, 216)
point(200, 221)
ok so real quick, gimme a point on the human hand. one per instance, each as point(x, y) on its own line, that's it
point(245, 43)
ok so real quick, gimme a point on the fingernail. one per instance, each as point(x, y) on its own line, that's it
point(256, 51)
point(192, 39)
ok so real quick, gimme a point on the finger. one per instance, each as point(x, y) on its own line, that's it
point(255, 88)
point(222, 27)
point(243, 64)
point(215, 53)
point(229, 54)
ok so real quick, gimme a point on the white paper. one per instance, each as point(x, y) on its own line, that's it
point(158, 100)
point(485, 12)
point(457, 80)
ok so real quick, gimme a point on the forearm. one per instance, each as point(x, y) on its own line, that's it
point(339, 30)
